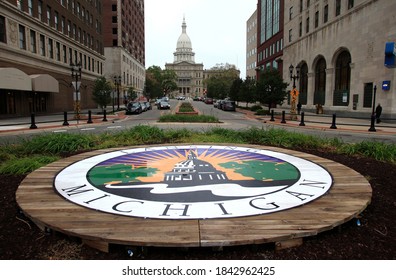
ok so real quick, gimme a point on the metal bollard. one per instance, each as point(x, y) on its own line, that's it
point(89, 117)
point(333, 124)
point(33, 121)
point(272, 116)
point(283, 117)
point(65, 122)
point(372, 127)
point(302, 119)
point(104, 116)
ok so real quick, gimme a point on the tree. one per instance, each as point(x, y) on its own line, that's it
point(235, 90)
point(101, 93)
point(159, 82)
point(248, 91)
point(169, 78)
point(271, 89)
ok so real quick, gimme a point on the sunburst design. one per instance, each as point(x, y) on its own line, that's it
point(164, 160)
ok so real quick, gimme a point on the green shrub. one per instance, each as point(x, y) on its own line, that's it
point(255, 108)
point(188, 118)
point(25, 165)
point(58, 143)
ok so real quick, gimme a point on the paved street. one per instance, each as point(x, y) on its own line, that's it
point(347, 129)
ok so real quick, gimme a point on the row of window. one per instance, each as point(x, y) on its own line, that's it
point(351, 4)
point(316, 17)
point(271, 50)
point(270, 19)
point(40, 44)
point(60, 23)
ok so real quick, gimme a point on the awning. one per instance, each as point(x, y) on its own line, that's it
point(15, 79)
point(45, 83)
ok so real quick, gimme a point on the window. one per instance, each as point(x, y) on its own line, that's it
point(63, 25)
point(42, 45)
point(48, 15)
point(22, 37)
point(40, 9)
point(290, 35)
point(56, 20)
point(320, 82)
point(64, 54)
point(70, 56)
point(300, 29)
point(350, 4)
point(316, 19)
point(30, 7)
point(307, 25)
point(325, 13)
point(2, 30)
point(291, 13)
point(368, 95)
point(114, 8)
point(20, 5)
point(114, 30)
point(33, 47)
point(338, 7)
point(69, 28)
point(50, 48)
point(58, 51)
point(301, 6)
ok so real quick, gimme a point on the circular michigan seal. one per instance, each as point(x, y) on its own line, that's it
point(192, 182)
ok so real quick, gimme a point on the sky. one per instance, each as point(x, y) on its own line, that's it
point(217, 29)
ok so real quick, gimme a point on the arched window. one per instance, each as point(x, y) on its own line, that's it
point(320, 82)
point(303, 97)
point(342, 79)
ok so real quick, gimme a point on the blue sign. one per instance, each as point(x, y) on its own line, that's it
point(386, 85)
point(390, 55)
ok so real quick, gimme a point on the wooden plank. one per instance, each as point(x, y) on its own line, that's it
point(347, 198)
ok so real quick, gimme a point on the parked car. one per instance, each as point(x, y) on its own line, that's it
point(144, 107)
point(209, 100)
point(133, 108)
point(148, 105)
point(228, 106)
point(163, 105)
point(220, 104)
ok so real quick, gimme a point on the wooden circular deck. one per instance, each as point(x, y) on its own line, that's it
point(347, 198)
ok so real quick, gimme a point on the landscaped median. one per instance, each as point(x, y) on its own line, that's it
point(185, 112)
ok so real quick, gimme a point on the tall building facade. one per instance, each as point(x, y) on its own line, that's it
point(251, 45)
point(39, 40)
point(124, 43)
point(270, 19)
point(190, 74)
point(340, 48)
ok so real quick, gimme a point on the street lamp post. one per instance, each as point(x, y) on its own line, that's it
point(294, 92)
point(117, 82)
point(76, 74)
point(372, 126)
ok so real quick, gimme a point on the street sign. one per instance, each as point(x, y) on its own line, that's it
point(78, 85)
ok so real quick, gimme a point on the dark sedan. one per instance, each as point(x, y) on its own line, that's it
point(134, 108)
point(163, 105)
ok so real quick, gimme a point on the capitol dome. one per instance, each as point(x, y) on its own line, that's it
point(184, 47)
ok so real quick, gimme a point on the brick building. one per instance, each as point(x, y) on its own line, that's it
point(39, 40)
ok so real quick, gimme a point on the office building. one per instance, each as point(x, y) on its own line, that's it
point(339, 47)
point(124, 45)
point(39, 40)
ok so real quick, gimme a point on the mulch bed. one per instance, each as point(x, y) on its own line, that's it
point(374, 238)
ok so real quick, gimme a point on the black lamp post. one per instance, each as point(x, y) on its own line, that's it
point(76, 74)
point(294, 92)
point(372, 126)
point(117, 82)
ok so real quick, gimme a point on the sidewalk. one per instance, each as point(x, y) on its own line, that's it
point(325, 122)
point(51, 121)
point(311, 121)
